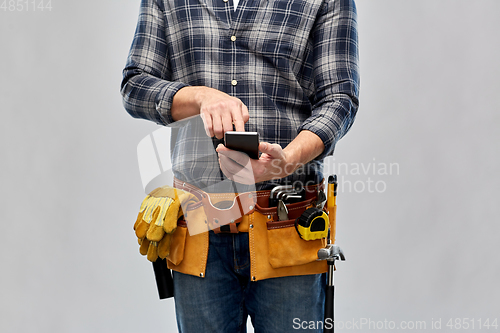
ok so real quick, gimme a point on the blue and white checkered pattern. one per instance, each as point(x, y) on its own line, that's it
point(294, 63)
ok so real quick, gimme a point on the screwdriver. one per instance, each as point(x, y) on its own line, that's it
point(331, 205)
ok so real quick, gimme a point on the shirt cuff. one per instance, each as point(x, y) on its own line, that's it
point(321, 126)
point(164, 99)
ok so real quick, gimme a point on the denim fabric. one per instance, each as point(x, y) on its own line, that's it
point(222, 301)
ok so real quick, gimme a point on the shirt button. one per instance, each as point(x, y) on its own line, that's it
point(233, 38)
point(234, 82)
point(225, 0)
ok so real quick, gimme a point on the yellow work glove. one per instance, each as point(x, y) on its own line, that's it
point(157, 220)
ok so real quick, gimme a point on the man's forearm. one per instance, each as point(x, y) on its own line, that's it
point(303, 149)
point(186, 103)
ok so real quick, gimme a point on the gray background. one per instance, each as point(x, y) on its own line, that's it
point(426, 248)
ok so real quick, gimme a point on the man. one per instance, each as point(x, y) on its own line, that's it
point(287, 69)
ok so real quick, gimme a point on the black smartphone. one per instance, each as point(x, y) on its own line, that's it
point(246, 142)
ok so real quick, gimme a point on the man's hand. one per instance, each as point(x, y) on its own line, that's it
point(273, 163)
point(218, 110)
point(237, 166)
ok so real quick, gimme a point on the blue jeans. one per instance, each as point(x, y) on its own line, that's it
point(222, 301)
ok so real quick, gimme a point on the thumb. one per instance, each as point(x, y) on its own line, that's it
point(274, 150)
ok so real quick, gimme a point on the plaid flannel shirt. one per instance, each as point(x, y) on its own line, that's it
point(294, 63)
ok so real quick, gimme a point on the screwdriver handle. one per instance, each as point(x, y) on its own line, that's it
point(331, 206)
point(332, 191)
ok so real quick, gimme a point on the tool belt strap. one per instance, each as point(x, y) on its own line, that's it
point(225, 207)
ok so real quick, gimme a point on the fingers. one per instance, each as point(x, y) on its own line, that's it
point(238, 167)
point(221, 148)
point(207, 121)
point(237, 157)
point(220, 111)
point(231, 166)
point(227, 125)
point(217, 126)
point(235, 171)
point(240, 118)
point(274, 150)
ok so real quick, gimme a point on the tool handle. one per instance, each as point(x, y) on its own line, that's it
point(332, 191)
point(164, 280)
point(329, 310)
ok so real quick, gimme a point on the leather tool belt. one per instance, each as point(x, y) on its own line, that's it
point(275, 247)
point(225, 211)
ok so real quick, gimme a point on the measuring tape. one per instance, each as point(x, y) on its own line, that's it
point(312, 224)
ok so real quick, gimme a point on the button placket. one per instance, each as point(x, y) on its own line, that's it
point(232, 37)
point(234, 82)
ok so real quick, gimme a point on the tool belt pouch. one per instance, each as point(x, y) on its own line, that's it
point(286, 247)
point(177, 245)
point(189, 248)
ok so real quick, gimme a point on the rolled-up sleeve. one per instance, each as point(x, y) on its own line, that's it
point(336, 73)
point(146, 87)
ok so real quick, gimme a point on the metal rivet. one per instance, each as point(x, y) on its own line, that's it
point(232, 221)
point(268, 217)
point(251, 226)
point(254, 278)
point(201, 275)
point(183, 184)
point(251, 207)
